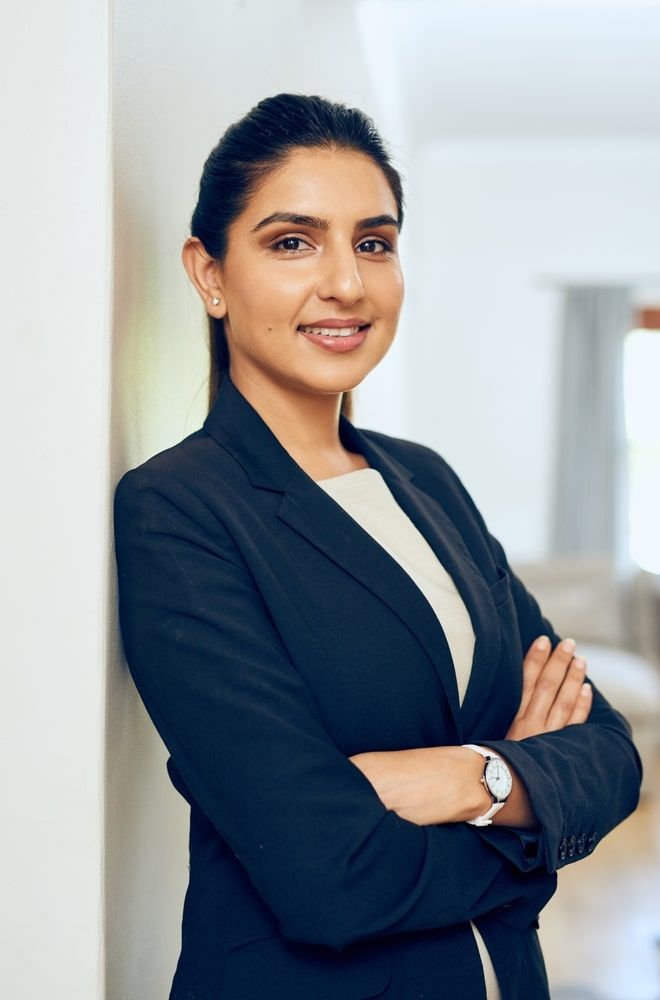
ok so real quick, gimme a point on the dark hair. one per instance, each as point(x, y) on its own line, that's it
point(248, 151)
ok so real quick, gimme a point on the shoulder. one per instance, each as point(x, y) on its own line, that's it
point(170, 464)
point(433, 473)
point(195, 465)
point(416, 456)
point(422, 460)
point(178, 490)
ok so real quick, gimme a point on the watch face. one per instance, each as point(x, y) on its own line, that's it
point(498, 779)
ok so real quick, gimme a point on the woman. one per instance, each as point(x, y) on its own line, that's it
point(386, 749)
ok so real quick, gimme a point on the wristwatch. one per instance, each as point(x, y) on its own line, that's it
point(496, 779)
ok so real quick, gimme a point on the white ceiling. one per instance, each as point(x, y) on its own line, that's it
point(499, 68)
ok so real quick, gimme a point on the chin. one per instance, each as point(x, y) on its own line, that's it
point(335, 383)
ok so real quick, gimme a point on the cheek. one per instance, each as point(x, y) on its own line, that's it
point(388, 291)
point(277, 296)
point(257, 305)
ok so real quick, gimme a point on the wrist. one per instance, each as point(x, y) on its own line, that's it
point(517, 810)
point(497, 780)
point(440, 785)
point(476, 799)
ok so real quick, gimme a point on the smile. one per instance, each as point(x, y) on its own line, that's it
point(324, 331)
point(331, 336)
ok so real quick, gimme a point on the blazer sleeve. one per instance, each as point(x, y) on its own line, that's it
point(242, 728)
point(582, 780)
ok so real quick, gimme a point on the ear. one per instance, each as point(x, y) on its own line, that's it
point(205, 274)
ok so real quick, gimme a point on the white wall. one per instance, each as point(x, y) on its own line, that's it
point(491, 219)
point(181, 76)
point(55, 278)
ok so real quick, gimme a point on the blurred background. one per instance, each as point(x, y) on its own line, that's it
point(528, 135)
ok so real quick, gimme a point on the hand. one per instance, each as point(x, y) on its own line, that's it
point(554, 690)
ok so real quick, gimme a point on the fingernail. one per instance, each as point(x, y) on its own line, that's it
point(585, 689)
point(542, 642)
point(568, 645)
point(579, 662)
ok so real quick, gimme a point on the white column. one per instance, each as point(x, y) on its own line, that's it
point(54, 378)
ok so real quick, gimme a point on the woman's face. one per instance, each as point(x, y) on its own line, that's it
point(315, 248)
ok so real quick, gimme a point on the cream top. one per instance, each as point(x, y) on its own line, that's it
point(365, 495)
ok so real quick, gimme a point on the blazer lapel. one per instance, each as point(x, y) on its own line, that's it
point(315, 515)
point(425, 509)
point(322, 521)
point(418, 497)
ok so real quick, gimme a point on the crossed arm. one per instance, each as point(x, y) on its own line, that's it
point(442, 784)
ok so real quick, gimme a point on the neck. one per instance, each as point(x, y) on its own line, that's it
point(305, 423)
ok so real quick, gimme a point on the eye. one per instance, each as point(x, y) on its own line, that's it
point(290, 244)
point(375, 245)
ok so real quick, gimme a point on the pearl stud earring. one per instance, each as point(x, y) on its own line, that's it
point(215, 301)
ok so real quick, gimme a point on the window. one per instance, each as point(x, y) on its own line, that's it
point(641, 361)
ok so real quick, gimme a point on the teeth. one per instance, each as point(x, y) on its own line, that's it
point(328, 332)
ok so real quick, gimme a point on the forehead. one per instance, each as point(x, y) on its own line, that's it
point(338, 184)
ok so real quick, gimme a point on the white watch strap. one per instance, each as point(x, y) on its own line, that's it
point(486, 818)
point(484, 751)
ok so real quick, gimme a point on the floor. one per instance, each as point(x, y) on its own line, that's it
point(601, 931)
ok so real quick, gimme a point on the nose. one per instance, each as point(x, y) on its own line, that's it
point(340, 276)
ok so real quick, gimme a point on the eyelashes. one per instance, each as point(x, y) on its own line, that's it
point(378, 239)
point(280, 247)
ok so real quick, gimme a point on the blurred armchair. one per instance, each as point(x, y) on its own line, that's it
point(616, 628)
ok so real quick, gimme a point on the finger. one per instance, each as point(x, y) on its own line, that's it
point(568, 694)
point(583, 705)
point(535, 660)
point(550, 680)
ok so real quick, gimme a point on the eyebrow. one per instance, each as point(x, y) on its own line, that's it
point(314, 222)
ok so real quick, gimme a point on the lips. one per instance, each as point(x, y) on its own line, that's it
point(337, 339)
point(326, 331)
point(335, 327)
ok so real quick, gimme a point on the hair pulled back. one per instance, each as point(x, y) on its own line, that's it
point(251, 148)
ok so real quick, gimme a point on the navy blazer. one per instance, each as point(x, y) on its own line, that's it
point(270, 638)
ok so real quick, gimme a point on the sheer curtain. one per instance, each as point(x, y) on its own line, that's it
point(590, 493)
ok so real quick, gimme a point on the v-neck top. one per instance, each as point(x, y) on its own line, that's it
point(365, 495)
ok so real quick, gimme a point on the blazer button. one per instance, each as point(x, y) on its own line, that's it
point(591, 843)
point(563, 847)
point(581, 843)
point(571, 847)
